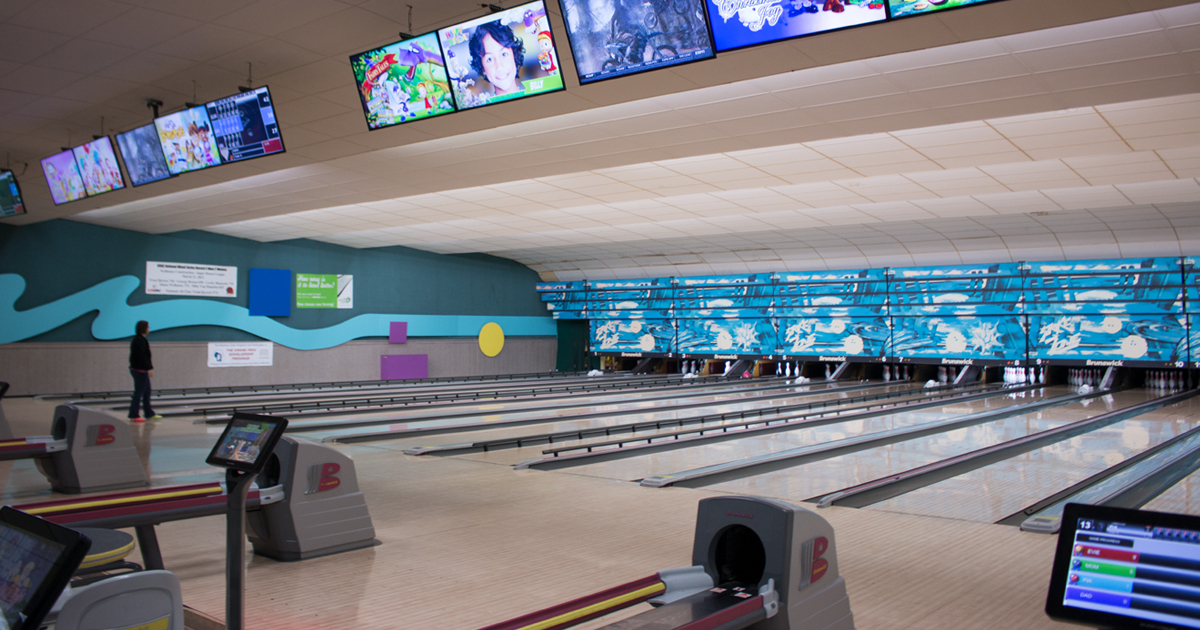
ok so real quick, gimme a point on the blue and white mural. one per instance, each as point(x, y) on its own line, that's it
point(1133, 310)
point(944, 336)
point(633, 335)
point(1126, 310)
point(865, 337)
point(726, 336)
point(565, 300)
point(1123, 337)
point(723, 296)
point(957, 312)
point(630, 299)
point(842, 313)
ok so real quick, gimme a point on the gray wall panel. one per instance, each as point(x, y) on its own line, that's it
point(43, 368)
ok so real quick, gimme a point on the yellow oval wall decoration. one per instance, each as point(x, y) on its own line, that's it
point(491, 339)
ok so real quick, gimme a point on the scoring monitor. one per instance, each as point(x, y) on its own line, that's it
point(1122, 568)
point(244, 125)
point(247, 441)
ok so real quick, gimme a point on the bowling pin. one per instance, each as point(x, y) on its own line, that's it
point(828, 372)
point(941, 374)
point(1042, 375)
point(905, 373)
point(887, 373)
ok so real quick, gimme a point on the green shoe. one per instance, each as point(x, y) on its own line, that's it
point(157, 416)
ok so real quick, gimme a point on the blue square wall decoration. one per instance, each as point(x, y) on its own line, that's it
point(271, 292)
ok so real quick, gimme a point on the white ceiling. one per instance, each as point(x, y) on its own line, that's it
point(1074, 141)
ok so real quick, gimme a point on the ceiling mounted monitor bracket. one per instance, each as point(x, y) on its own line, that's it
point(249, 87)
point(408, 35)
point(154, 104)
point(492, 7)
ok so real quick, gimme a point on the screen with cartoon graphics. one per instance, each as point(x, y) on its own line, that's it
point(244, 125)
point(25, 561)
point(741, 23)
point(902, 8)
point(612, 39)
point(10, 195)
point(403, 81)
point(98, 167)
point(143, 155)
point(187, 140)
point(502, 56)
point(62, 175)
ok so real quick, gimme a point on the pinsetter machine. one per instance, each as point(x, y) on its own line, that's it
point(757, 564)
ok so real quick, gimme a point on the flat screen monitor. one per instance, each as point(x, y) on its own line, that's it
point(62, 175)
point(1120, 568)
point(403, 81)
point(143, 155)
point(187, 140)
point(612, 39)
point(10, 195)
point(738, 24)
point(904, 8)
point(37, 559)
point(98, 166)
point(247, 442)
point(502, 56)
point(244, 125)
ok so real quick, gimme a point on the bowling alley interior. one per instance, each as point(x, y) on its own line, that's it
point(688, 314)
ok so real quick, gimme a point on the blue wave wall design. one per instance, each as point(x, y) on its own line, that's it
point(116, 318)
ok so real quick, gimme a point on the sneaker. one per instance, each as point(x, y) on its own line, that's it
point(157, 416)
point(137, 419)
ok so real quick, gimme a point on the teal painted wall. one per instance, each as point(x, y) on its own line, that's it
point(60, 258)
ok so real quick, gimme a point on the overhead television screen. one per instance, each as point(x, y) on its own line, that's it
point(143, 155)
point(502, 56)
point(403, 81)
point(611, 39)
point(187, 140)
point(98, 167)
point(62, 175)
point(244, 125)
point(742, 23)
point(10, 195)
point(902, 8)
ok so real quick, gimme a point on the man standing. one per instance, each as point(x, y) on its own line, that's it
point(141, 369)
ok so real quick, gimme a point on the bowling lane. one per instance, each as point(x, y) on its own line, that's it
point(994, 492)
point(363, 406)
point(560, 420)
point(803, 482)
point(668, 462)
point(1181, 498)
point(549, 406)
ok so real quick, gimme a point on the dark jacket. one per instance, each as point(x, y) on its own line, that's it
point(139, 354)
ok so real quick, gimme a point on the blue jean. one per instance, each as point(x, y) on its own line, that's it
point(141, 394)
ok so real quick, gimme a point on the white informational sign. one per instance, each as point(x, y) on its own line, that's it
point(247, 354)
point(345, 294)
point(168, 278)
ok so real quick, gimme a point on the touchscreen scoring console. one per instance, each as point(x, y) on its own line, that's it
point(1122, 568)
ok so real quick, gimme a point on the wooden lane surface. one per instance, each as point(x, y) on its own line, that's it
point(467, 543)
point(668, 462)
point(996, 491)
